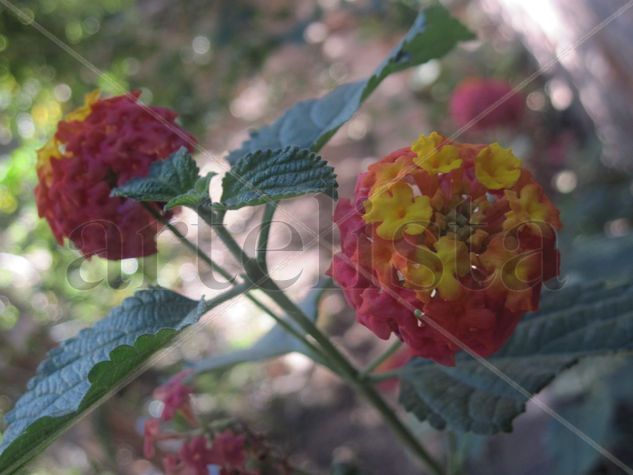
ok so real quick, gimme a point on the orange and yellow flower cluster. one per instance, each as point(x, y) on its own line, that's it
point(446, 245)
point(96, 148)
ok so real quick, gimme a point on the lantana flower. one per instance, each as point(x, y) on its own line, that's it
point(225, 454)
point(175, 395)
point(446, 245)
point(202, 446)
point(96, 148)
point(229, 449)
point(472, 97)
point(151, 432)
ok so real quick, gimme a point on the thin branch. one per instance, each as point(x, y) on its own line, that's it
point(262, 243)
point(226, 274)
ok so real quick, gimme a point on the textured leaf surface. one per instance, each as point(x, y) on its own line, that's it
point(310, 123)
point(272, 175)
point(196, 196)
point(166, 179)
point(83, 370)
point(573, 323)
point(276, 342)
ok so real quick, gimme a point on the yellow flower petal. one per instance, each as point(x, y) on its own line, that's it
point(433, 157)
point(84, 111)
point(497, 167)
point(45, 154)
point(53, 148)
point(454, 257)
point(439, 269)
point(527, 207)
point(425, 273)
point(388, 175)
point(398, 211)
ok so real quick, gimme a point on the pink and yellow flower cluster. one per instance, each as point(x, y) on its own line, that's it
point(446, 245)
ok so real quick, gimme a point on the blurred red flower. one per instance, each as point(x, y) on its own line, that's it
point(151, 431)
point(96, 148)
point(226, 451)
point(475, 96)
point(176, 396)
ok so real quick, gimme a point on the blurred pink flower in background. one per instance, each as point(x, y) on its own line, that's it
point(228, 449)
point(176, 396)
point(201, 448)
point(194, 458)
point(473, 96)
point(151, 432)
point(226, 452)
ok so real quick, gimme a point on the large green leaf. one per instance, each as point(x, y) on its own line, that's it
point(276, 342)
point(581, 397)
point(577, 322)
point(272, 175)
point(166, 179)
point(593, 257)
point(591, 414)
point(310, 123)
point(82, 371)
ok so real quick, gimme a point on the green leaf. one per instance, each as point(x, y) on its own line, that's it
point(311, 123)
point(167, 179)
point(273, 175)
point(598, 257)
point(583, 397)
point(590, 396)
point(577, 322)
point(276, 342)
point(196, 196)
point(591, 413)
point(83, 370)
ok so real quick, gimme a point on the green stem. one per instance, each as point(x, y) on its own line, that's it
point(351, 374)
point(262, 242)
point(453, 462)
point(215, 222)
point(381, 358)
point(227, 275)
point(191, 246)
point(384, 376)
point(225, 296)
point(346, 370)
